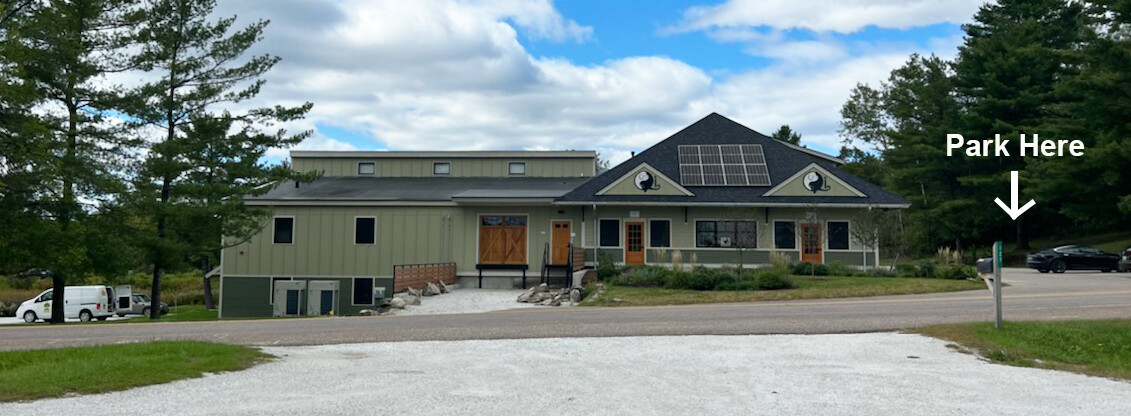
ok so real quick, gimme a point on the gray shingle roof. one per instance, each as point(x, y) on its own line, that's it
point(782, 161)
point(417, 189)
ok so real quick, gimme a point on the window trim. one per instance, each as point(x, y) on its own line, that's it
point(274, 226)
point(353, 291)
point(435, 164)
point(271, 288)
point(796, 243)
point(357, 217)
point(695, 233)
point(650, 233)
point(620, 231)
point(511, 163)
point(366, 163)
point(828, 237)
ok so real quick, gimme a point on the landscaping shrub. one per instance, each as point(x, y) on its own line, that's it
point(773, 280)
point(767, 279)
point(906, 270)
point(810, 269)
point(780, 261)
point(927, 268)
point(606, 268)
point(957, 272)
point(642, 276)
point(701, 278)
point(837, 268)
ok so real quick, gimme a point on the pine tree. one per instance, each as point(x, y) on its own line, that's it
point(786, 134)
point(194, 163)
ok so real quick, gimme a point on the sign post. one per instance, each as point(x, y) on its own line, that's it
point(997, 284)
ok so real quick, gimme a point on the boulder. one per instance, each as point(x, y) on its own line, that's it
point(526, 296)
point(575, 295)
point(397, 303)
point(411, 300)
point(430, 290)
point(542, 288)
point(556, 302)
point(366, 312)
point(413, 292)
point(444, 287)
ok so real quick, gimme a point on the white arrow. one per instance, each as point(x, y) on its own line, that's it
point(1012, 210)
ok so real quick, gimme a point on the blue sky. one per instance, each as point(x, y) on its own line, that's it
point(611, 76)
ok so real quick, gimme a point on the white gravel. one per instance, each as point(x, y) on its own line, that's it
point(883, 374)
point(466, 301)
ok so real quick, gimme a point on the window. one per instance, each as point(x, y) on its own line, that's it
point(610, 233)
point(838, 235)
point(661, 233)
point(365, 230)
point(366, 168)
point(517, 168)
point(284, 230)
point(271, 296)
point(363, 291)
point(784, 234)
point(441, 168)
point(741, 234)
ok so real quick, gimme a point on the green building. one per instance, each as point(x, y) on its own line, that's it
point(716, 193)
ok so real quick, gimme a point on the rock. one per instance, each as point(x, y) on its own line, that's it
point(411, 300)
point(526, 296)
point(556, 302)
point(413, 292)
point(617, 300)
point(367, 312)
point(575, 295)
point(545, 302)
point(444, 287)
point(430, 290)
point(397, 303)
point(542, 288)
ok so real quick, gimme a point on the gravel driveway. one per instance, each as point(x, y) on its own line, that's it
point(847, 374)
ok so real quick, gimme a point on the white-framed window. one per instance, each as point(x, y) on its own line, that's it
point(271, 294)
point(363, 291)
point(837, 232)
point(366, 168)
point(365, 230)
point(516, 168)
point(283, 231)
point(785, 235)
point(608, 233)
point(659, 233)
point(441, 168)
point(725, 234)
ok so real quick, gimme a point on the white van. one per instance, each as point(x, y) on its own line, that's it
point(82, 302)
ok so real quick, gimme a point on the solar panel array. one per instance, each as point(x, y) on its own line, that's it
point(723, 165)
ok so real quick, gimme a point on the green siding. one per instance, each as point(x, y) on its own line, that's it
point(460, 167)
point(851, 258)
point(250, 296)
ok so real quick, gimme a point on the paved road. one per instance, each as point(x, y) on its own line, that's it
point(1030, 296)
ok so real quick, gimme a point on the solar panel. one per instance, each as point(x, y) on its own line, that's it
point(723, 165)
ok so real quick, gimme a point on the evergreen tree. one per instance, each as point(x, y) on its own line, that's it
point(195, 169)
point(787, 135)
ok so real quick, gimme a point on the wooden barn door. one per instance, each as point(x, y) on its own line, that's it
point(502, 239)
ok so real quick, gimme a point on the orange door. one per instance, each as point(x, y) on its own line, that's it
point(502, 239)
point(811, 242)
point(634, 242)
point(559, 242)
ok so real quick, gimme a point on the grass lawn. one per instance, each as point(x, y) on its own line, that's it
point(1100, 348)
point(807, 288)
point(35, 374)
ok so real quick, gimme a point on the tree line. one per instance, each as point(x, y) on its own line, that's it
point(1059, 69)
point(117, 150)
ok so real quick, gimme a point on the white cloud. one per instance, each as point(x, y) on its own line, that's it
point(826, 15)
point(447, 75)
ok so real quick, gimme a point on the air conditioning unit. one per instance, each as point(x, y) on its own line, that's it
point(378, 294)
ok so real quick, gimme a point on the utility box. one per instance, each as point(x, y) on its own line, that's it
point(322, 297)
point(378, 294)
point(290, 297)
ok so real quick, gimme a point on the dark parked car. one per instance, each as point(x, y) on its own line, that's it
point(1073, 257)
point(1125, 261)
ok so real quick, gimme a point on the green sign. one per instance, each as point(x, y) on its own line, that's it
point(997, 246)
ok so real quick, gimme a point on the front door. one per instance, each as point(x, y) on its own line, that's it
point(811, 242)
point(633, 242)
point(559, 241)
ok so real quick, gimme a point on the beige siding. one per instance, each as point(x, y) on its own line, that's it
point(460, 167)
